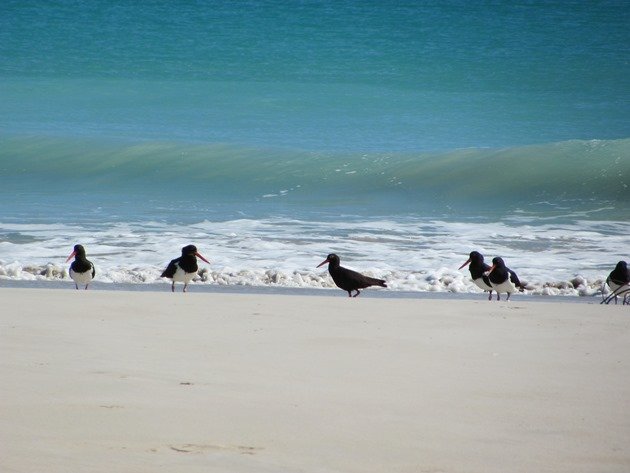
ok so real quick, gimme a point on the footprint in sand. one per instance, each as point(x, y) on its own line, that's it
point(197, 448)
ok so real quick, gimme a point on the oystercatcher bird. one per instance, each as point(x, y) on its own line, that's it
point(347, 279)
point(619, 282)
point(81, 270)
point(503, 279)
point(184, 268)
point(477, 269)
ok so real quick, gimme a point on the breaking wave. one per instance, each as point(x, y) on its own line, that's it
point(552, 258)
point(576, 174)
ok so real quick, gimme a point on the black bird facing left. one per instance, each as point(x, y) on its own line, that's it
point(477, 271)
point(184, 268)
point(347, 279)
point(81, 270)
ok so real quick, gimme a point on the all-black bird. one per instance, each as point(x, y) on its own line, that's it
point(619, 280)
point(477, 269)
point(184, 268)
point(81, 270)
point(347, 279)
point(503, 279)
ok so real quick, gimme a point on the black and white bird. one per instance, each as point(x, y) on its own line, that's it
point(184, 268)
point(347, 279)
point(477, 269)
point(619, 282)
point(81, 270)
point(503, 279)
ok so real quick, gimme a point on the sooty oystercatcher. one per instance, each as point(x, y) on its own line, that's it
point(81, 270)
point(347, 279)
point(477, 269)
point(184, 268)
point(619, 282)
point(503, 279)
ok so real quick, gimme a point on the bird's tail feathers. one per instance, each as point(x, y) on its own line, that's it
point(377, 282)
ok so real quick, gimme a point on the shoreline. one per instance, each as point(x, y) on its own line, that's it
point(371, 293)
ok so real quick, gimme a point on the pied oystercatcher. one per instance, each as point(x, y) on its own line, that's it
point(184, 268)
point(81, 270)
point(619, 281)
point(503, 279)
point(477, 269)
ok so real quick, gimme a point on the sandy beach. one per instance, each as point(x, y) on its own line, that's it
point(114, 381)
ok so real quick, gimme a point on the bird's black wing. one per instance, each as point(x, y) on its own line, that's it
point(477, 272)
point(93, 270)
point(171, 269)
point(375, 281)
point(619, 281)
point(515, 280)
point(359, 281)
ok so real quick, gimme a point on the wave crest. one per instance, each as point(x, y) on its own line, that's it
point(573, 172)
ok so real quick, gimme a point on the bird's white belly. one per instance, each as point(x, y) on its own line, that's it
point(81, 278)
point(182, 276)
point(482, 285)
point(506, 286)
point(617, 288)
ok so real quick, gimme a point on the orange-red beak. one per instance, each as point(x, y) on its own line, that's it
point(491, 269)
point(323, 262)
point(467, 262)
point(201, 257)
point(72, 255)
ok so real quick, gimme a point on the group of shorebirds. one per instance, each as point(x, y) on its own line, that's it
point(182, 269)
point(498, 277)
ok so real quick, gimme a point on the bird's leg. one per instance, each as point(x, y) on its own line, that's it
point(508, 297)
point(498, 296)
point(349, 293)
point(86, 286)
point(490, 296)
point(358, 292)
point(173, 287)
point(76, 285)
point(185, 286)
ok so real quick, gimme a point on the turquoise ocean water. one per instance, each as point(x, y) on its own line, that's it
point(401, 135)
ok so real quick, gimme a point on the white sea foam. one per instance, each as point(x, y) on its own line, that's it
point(411, 254)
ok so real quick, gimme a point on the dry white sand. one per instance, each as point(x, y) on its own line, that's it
point(100, 381)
